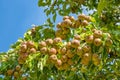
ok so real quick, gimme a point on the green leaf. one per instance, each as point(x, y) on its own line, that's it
point(48, 12)
point(101, 5)
point(41, 3)
point(54, 17)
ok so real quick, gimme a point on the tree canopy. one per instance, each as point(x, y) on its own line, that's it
point(82, 48)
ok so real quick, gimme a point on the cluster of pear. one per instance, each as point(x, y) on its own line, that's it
point(16, 72)
point(25, 49)
point(69, 22)
point(63, 54)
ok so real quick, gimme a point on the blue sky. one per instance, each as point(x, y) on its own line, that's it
point(16, 17)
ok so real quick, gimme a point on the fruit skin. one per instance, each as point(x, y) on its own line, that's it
point(75, 43)
point(86, 58)
point(108, 42)
point(77, 37)
point(67, 22)
point(52, 51)
point(64, 58)
point(30, 44)
point(63, 50)
point(32, 50)
point(72, 19)
point(58, 62)
point(49, 41)
point(95, 59)
point(23, 48)
point(57, 40)
point(97, 33)
point(59, 26)
point(68, 45)
point(44, 50)
point(53, 58)
point(79, 52)
point(89, 39)
point(42, 44)
point(84, 23)
point(65, 17)
point(97, 41)
point(86, 48)
point(81, 16)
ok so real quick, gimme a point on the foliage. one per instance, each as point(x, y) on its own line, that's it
point(85, 48)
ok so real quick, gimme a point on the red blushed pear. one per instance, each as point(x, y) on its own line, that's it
point(64, 58)
point(59, 26)
point(67, 22)
point(58, 62)
point(52, 51)
point(75, 43)
point(97, 42)
point(86, 48)
point(49, 41)
point(68, 45)
point(72, 19)
point(88, 18)
point(65, 17)
point(23, 48)
point(44, 50)
point(97, 33)
point(23, 56)
point(30, 44)
point(77, 37)
point(53, 58)
point(32, 50)
point(89, 39)
point(81, 16)
point(63, 50)
point(57, 40)
point(85, 23)
point(42, 44)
